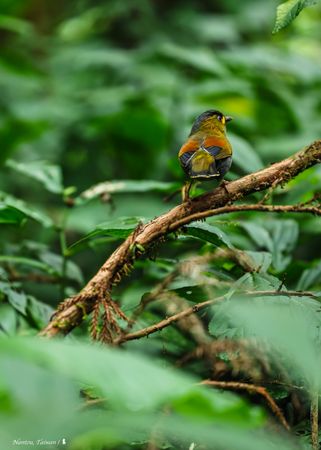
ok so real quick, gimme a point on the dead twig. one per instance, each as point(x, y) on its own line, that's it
point(314, 419)
point(199, 307)
point(71, 313)
point(252, 389)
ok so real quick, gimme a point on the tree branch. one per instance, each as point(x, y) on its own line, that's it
point(252, 389)
point(72, 311)
point(203, 305)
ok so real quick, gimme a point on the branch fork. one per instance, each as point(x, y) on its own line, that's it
point(72, 311)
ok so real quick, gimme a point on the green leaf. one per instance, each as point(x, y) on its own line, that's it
point(261, 260)
point(310, 277)
point(8, 319)
point(208, 233)
point(288, 11)
point(116, 229)
point(16, 25)
point(277, 236)
point(125, 187)
point(16, 299)
point(110, 377)
point(10, 215)
point(25, 209)
point(55, 262)
point(47, 174)
point(244, 155)
point(290, 325)
point(39, 312)
point(206, 59)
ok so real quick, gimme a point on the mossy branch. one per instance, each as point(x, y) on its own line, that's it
point(72, 311)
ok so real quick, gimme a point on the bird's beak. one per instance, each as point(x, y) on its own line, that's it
point(228, 118)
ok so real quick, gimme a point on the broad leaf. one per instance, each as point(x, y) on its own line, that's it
point(10, 215)
point(310, 277)
point(16, 299)
point(115, 229)
point(25, 210)
point(208, 233)
point(244, 155)
point(47, 174)
point(279, 237)
point(125, 186)
point(288, 11)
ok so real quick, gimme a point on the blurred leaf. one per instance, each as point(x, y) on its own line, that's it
point(205, 60)
point(10, 215)
point(56, 263)
point(208, 233)
point(16, 25)
point(261, 260)
point(309, 278)
point(23, 209)
point(39, 312)
point(125, 186)
point(8, 319)
point(244, 155)
point(288, 11)
point(110, 377)
point(288, 324)
point(47, 174)
point(117, 229)
point(16, 299)
point(277, 236)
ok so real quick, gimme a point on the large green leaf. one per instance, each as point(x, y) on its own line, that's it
point(279, 237)
point(310, 277)
point(10, 215)
point(125, 186)
point(288, 11)
point(115, 229)
point(244, 155)
point(17, 299)
point(24, 210)
point(36, 374)
point(47, 174)
point(289, 324)
point(208, 233)
point(110, 378)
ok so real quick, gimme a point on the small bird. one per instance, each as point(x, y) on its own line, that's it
point(207, 153)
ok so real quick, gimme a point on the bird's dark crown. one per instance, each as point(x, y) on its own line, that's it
point(205, 115)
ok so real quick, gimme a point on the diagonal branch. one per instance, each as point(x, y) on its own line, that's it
point(251, 389)
point(72, 311)
point(203, 305)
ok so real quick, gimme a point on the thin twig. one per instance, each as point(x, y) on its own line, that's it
point(242, 208)
point(314, 419)
point(252, 389)
point(200, 306)
point(71, 314)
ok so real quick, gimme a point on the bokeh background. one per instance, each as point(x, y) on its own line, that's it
point(106, 92)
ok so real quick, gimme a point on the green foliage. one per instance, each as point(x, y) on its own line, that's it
point(288, 11)
point(96, 100)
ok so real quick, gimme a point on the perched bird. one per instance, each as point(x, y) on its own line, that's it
point(207, 153)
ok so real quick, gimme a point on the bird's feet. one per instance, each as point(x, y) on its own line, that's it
point(224, 185)
point(185, 191)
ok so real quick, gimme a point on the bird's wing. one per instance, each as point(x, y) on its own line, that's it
point(219, 148)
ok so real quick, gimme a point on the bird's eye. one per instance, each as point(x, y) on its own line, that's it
point(223, 120)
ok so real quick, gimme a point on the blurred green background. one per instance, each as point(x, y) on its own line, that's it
point(95, 92)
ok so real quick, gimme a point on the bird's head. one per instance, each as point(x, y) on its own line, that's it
point(211, 119)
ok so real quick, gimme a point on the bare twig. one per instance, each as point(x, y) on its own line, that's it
point(252, 389)
point(199, 307)
point(314, 419)
point(71, 313)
